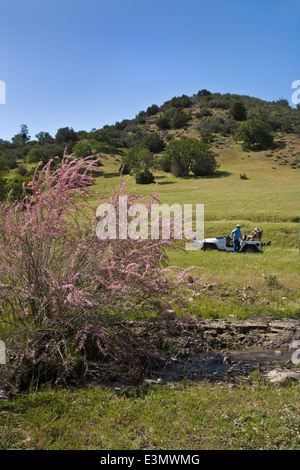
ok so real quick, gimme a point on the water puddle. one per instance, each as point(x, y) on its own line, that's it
point(209, 366)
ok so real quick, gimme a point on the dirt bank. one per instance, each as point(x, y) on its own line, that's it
point(177, 335)
point(218, 349)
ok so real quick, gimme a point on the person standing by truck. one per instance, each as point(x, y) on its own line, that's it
point(236, 233)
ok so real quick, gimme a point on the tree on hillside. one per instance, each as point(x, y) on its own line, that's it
point(152, 110)
point(238, 111)
point(65, 134)
point(255, 134)
point(37, 155)
point(83, 149)
point(282, 102)
point(163, 122)
point(153, 142)
point(137, 158)
point(187, 155)
point(180, 119)
point(44, 138)
point(23, 137)
point(178, 102)
point(138, 161)
point(203, 92)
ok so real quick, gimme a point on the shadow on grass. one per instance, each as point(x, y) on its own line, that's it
point(165, 182)
point(216, 174)
point(110, 175)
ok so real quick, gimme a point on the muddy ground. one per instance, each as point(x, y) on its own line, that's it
point(197, 349)
point(169, 349)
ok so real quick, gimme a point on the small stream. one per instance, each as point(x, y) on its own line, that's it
point(222, 366)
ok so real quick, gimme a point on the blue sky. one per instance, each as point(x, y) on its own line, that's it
point(87, 63)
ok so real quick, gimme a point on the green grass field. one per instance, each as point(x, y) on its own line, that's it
point(256, 415)
point(269, 199)
point(271, 194)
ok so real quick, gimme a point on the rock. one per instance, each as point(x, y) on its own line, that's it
point(278, 352)
point(3, 395)
point(226, 360)
point(282, 375)
point(152, 382)
point(211, 286)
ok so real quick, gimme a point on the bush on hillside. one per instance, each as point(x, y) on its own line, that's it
point(216, 125)
point(83, 149)
point(180, 119)
point(37, 155)
point(238, 111)
point(163, 122)
point(255, 134)
point(153, 142)
point(152, 110)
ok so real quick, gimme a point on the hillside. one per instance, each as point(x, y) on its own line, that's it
point(212, 117)
point(273, 170)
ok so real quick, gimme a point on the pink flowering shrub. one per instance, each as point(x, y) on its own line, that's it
point(64, 293)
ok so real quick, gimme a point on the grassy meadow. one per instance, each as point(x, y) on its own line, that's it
point(268, 199)
point(205, 416)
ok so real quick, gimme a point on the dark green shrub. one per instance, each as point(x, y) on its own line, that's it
point(180, 119)
point(204, 112)
point(37, 155)
point(238, 111)
point(203, 92)
point(144, 177)
point(3, 188)
point(152, 110)
point(153, 142)
point(163, 122)
point(178, 102)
